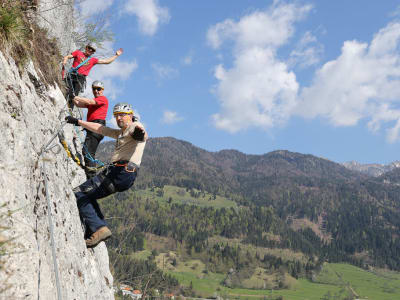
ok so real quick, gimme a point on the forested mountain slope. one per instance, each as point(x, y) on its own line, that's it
point(356, 216)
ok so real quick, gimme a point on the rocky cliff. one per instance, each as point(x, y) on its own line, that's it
point(371, 169)
point(30, 115)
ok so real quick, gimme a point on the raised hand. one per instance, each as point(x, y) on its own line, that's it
point(119, 52)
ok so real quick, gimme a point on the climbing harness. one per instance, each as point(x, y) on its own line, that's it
point(73, 71)
point(87, 154)
point(70, 84)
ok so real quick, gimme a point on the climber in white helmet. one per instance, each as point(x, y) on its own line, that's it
point(97, 112)
point(119, 176)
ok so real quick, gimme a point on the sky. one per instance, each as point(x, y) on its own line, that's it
point(315, 77)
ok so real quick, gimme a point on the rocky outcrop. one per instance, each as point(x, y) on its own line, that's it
point(58, 17)
point(374, 170)
point(30, 114)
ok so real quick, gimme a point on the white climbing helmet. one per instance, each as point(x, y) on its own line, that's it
point(98, 83)
point(91, 45)
point(122, 108)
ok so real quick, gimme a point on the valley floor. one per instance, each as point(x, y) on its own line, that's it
point(336, 281)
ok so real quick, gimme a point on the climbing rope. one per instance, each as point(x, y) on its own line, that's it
point(75, 157)
point(87, 153)
point(46, 148)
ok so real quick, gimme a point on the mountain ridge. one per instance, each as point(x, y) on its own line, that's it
point(371, 169)
point(354, 209)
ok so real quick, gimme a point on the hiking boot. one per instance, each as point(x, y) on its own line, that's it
point(101, 234)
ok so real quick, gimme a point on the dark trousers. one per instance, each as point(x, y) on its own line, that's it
point(92, 141)
point(75, 84)
point(111, 180)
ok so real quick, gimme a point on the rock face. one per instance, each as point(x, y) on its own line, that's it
point(58, 17)
point(374, 170)
point(30, 114)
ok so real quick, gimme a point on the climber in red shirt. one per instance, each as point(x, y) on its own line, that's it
point(97, 113)
point(81, 66)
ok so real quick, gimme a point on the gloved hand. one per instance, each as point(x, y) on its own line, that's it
point(72, 120)
point(138, 134)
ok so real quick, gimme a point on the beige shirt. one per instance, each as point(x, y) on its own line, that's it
point(126, 148)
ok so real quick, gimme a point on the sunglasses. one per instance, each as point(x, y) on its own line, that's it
point(91, 49)
point(121, 115)
point(97, 89)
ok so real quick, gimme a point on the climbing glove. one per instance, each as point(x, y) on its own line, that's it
point(72, 120)
point(138, 134)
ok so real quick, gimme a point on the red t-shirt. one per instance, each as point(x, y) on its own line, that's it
point(79, 57)
point(99, 110)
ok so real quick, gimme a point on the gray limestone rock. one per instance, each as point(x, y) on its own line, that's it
point(30, 114)
point(58, 16)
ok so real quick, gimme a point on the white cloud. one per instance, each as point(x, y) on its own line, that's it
point(119, 69)
point(108, 73)
point(396, 12)
point(307, 52)
point(92, 7)
point(258, 90)
point(171, 117)
point(393, 133)
point(164, 71)
point(362, 83)
point(270, 28)
point(217, 33)
point(150, 15)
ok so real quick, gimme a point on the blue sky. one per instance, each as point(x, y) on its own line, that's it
point(315, 77)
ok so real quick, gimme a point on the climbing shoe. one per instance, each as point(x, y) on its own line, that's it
point(100, 235)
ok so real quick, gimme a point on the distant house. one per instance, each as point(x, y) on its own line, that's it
point(125, 287)
point(136, 294)
point(129, 291)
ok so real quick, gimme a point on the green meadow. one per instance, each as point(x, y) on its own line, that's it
point(335, 281)
point(174, 194)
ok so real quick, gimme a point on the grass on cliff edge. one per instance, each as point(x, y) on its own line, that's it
point(23, 39)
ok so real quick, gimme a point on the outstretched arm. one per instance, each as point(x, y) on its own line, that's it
point(111, 59)
point(66, 59)
point(83, 102)
point(95, 127)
